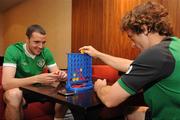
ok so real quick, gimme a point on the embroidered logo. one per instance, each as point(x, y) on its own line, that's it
point(129, 70)
point(41, 62)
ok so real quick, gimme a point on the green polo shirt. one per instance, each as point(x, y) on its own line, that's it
point(156, 72)
point(27, 65)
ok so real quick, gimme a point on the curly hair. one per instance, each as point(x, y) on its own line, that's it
point(151, 14)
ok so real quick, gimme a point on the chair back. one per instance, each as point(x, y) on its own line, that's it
point(105, 72)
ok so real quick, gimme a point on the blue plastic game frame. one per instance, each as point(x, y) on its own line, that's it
point(79, 72)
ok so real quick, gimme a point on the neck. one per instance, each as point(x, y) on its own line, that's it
point(29, 50)
point(155, 38)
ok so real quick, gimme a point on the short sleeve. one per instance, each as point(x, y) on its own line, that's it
point(124, 86)
point(149, 68)
point(11, 56)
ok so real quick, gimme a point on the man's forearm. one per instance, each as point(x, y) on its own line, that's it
point(18, 82)
point(120, 64)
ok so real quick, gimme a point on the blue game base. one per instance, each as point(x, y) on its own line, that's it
point(88, 86)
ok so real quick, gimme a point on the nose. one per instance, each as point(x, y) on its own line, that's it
point(40, 45)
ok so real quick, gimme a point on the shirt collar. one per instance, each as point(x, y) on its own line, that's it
point(27, 52)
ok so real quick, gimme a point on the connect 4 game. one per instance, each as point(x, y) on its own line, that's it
point(79, 72)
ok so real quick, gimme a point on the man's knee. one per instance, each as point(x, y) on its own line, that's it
point(13, 97)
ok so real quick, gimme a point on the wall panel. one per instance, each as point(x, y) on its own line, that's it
point(54, 16)
point(1, 34)
point(115, 41)
point(173, 7)
point(97, 23)
point(87, 23)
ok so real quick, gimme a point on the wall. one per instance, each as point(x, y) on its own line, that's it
point(87, 23)
point(1, 34)
point(97, 23)
point(173, 7)
point(54, 16)
point(115, 41)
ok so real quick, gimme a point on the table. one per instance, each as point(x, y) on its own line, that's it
point(84, 106)
point(81, 105)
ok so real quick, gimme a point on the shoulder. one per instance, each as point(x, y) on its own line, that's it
point(157, 53)
point(158, 57)
point(15, 47)
point(13, 53)
point(14, 50)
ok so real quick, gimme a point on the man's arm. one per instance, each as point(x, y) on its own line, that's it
point(9, 81)
point(118, 63)
point(111, 96)
point(57, 71)
point(53, 69)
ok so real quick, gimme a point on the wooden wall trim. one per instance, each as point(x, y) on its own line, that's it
point(97, 23)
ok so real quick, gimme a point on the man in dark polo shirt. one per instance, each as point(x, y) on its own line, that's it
point(155, 70)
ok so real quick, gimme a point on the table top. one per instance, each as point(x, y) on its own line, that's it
point(85, 100)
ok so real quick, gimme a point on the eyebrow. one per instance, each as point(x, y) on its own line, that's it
point(39, 41)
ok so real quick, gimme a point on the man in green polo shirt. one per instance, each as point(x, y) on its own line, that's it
point(155, 71)
point(23, 65)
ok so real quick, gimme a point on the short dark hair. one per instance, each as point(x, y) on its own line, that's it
point(34, 28)
point(151, 14)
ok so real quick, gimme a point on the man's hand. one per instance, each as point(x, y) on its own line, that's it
point(90, 51)
point(46, 78)
point(99, 84)
point(62, 75)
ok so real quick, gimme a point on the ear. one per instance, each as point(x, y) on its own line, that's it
point(145, 29)
point(27, 40)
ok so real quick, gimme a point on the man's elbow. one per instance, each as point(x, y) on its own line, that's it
point(109, 103)
point(5, 86)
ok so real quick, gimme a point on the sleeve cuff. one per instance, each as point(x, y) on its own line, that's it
point(124, 86)
point(52, 65)
point(9, 65)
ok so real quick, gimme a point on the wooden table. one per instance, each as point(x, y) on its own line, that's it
point(84, 106)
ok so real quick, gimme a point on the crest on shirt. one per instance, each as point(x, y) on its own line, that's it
point(41, 62)
point(129, 70)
